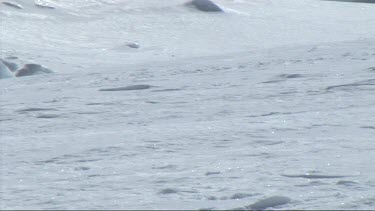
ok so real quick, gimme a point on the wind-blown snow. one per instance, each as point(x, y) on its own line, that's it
point(268, 105)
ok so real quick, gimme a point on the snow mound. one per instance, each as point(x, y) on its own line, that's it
point(32, 69)
point(4, 71)
point(205, 6)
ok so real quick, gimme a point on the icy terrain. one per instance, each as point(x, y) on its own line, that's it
point(153, 104)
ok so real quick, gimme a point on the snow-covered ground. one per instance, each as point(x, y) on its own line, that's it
point(202, 111)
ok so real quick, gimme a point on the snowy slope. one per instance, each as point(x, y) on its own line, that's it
point(167, 30)
point(270, 98)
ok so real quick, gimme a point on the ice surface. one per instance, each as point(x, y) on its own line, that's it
point(212, 111)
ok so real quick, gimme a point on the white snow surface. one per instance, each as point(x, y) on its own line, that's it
point(272, 99)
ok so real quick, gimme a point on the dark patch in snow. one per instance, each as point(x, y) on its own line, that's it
point(12, 4)
point(104, 151)
point(212, 198)
point(104, 103)
point(127, 88)
point(82, 168)
point(276, 113)
point(370, 82)
point(205, 6)
point(48, 116)
point(273, 201)
point(312, 176)
point(212, 173)
point(36, 109)
point(207, 209)
point(269, 143)
point(241, 195)
point(87, 112)
point(94, 103)
point(169, 191)
point(95, 175)
point(166, 90)
point(313, 183)
point(3, 120)
point(355, 1)
point(32, 69)
point(86, 160)
point(283, 77)
point(11, 57)
point(59, 160)
point(273, 81)
point(346, 183)
point(87, 156)
point(151, 102)
point(270, 114)
point(224, 198)
point(288, 76)
point(170, 167)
